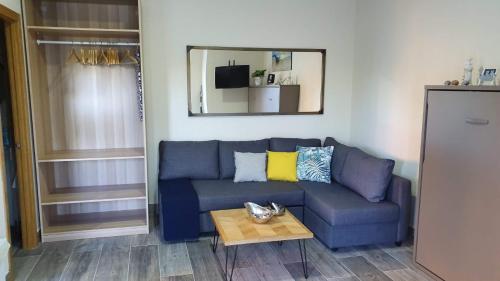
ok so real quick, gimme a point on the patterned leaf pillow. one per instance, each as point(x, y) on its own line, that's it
point(313, 163)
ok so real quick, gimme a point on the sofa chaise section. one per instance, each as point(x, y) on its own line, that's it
point(375, 210)
point(339, 217)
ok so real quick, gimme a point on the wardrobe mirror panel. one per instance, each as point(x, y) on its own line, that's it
point(226, 81)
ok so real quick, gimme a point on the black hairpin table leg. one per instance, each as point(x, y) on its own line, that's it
point(234, 263)
point(303, 257)
point(215, 241)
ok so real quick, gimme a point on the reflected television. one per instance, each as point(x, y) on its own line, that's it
point(230, 77)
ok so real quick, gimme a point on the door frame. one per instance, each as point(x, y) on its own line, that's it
point(22, 128)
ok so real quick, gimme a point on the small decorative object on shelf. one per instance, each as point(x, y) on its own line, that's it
point(257, 76)
point(270, 79)
point(451, 83)
point(258, 214)
point(468, 67)
point(487, 76)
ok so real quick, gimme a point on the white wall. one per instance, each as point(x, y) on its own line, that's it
point(402, 46)
point(168, 26)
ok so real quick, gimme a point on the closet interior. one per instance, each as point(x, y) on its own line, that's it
point(85, 78)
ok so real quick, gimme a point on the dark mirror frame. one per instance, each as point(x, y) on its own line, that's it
point(189, 48)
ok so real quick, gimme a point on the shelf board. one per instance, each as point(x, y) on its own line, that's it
point(101, 193)
point(95, 221)
point(92, 154)
point(84, 32)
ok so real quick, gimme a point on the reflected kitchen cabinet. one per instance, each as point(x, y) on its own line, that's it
point(274, 98)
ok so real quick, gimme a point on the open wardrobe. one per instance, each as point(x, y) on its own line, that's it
point(85, 78)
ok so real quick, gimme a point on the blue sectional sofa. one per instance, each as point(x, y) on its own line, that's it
point(196, 177)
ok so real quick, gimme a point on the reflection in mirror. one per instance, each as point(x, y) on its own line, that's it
point(241, 81)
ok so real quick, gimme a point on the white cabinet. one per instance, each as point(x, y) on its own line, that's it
point(274, 98)
point(458, 228)
point(264, 99)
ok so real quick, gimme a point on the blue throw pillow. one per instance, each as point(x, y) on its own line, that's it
point(313, 163)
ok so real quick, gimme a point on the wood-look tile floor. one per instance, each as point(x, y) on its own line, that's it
point(146, 257)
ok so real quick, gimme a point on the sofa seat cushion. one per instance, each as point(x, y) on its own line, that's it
point(338, 205)
point(226, 194)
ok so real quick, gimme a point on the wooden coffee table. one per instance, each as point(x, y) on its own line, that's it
point(234, 227)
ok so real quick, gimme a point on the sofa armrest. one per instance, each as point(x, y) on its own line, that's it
point(179, 210)
point(399, 192)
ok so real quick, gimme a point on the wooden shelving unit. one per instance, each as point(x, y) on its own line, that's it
point(92, 154)
point(84, 32)
point(98, 193)
point(70, 225)
point(89, 132)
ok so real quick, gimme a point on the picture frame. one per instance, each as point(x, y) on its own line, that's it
point(281, 61)
point(488, 76)
point(270, 79)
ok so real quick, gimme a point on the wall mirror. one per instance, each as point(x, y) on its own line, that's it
point(225, 81)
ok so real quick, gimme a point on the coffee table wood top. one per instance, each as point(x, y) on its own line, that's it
point(235, 227)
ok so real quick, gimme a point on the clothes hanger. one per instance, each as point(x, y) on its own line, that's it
point(113, 56)
point(103, 59)
point(90, 57)
point(95, 55)
point(73, 57)
point(83, 56)
point(128, 56)
point(109, 54)
point(117, 56)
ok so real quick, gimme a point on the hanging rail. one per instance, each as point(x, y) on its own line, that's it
point(86, 43)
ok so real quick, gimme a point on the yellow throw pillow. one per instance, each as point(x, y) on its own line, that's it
point(282, 166)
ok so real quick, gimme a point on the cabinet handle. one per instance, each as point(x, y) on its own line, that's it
point(477, 121)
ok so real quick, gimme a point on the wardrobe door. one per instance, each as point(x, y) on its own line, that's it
point(459, 225)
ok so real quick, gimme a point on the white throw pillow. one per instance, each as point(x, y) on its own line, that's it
point(250, 167)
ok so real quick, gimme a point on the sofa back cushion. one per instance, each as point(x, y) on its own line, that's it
point(189, 159)
point(227, 149)
point(250, 167)
point(282, 166)
point(340, 152)
point(290, 144)
point(367, 175)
